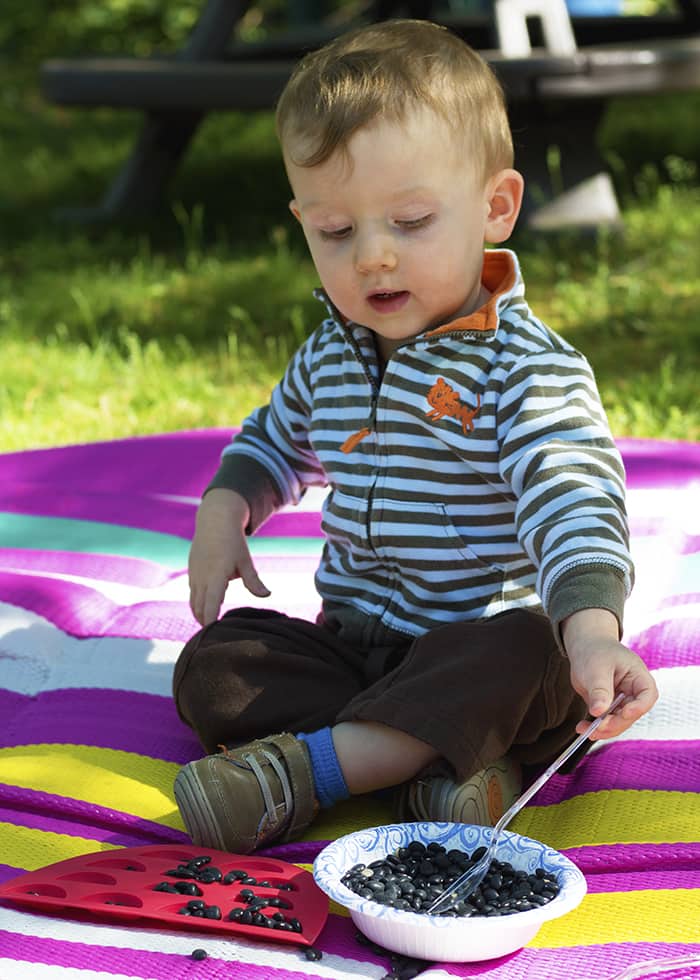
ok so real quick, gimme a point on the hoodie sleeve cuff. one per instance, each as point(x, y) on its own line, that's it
point(589, 587)
point(247, 477)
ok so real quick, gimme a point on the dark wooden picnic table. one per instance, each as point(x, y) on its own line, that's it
point(554, 99)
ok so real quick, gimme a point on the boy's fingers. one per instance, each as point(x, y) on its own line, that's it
point(212, 605)
point(250, 577)
point(599, 699)
point(254, 584)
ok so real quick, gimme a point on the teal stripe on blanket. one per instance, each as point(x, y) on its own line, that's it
point(94, 537)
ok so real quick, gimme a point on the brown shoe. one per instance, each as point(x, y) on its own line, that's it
point(246, 797)
point(482, 799)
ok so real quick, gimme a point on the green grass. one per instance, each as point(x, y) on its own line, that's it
point(186, 320)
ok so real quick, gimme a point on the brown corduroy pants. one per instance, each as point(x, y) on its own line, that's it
point(472, 690)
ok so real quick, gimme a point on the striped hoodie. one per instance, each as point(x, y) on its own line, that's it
point(476, 475)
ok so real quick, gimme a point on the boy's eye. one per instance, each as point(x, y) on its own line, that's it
point(408, 224)
point(335, 234)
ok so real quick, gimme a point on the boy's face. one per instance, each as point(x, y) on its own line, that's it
point(396, 228)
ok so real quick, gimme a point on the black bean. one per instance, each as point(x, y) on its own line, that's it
point(188, 888)
point(199, 862)
point(209, 876)
point(234, 875)
point(312, 953)
point(162, 886)
point(198, 954)
point(278, 903)
point(212, 912)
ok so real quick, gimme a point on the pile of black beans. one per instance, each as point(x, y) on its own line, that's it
point(200, 871)
point(414, 876)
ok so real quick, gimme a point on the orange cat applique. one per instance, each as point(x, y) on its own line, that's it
point(444, 400)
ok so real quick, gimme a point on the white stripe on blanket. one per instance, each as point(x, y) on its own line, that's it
point(155, 941)
point(37, 656)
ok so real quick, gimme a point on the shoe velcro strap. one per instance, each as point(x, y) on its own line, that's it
point(296, 758)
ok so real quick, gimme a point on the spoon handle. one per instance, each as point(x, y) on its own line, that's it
point(558, 762)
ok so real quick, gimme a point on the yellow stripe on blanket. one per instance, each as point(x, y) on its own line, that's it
point(123, 781)
point(619, 816)
point(644, 916)
point(31, 849)
point(345, 818)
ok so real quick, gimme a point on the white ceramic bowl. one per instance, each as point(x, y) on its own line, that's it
point(449, 939)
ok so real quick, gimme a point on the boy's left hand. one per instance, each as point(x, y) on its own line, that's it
point(602, 667)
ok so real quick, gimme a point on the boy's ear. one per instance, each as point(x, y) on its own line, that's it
point(504, 198)
point(294, 209)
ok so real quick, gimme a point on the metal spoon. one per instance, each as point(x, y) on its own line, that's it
point(472, 877)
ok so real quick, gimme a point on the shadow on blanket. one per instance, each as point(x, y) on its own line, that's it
point(93, 612)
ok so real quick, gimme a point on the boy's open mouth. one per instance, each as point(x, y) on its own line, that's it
point(388, 302)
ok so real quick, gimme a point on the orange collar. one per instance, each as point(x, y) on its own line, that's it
point(498, 275)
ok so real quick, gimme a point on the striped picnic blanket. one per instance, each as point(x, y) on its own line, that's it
point(93, 613)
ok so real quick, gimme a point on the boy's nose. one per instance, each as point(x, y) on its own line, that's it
point(375, 253)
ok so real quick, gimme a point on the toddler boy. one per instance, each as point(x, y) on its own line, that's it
point(476, 562)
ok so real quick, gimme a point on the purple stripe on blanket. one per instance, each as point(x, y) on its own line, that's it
point(629, 764)
point(639, 880)
point(673, 643)
point(610, 858)
point(7, 871)
point(297, 852)
point(142, 511)
point(137, 572)
point(178, 463)
point(44, 805)
point(95, 716)
point(600, 962)
point(58, 824)
point(654, 463)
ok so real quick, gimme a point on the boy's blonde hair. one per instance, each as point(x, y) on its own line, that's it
point(385, 71)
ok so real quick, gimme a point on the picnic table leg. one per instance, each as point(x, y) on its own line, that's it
point(141, 185)
point(578, 191)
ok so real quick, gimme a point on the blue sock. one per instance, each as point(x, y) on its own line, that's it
point(328, 776)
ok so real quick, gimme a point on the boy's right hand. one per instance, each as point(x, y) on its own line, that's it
point(219, 554)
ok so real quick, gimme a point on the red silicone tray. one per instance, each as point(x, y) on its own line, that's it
point(119, 886)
